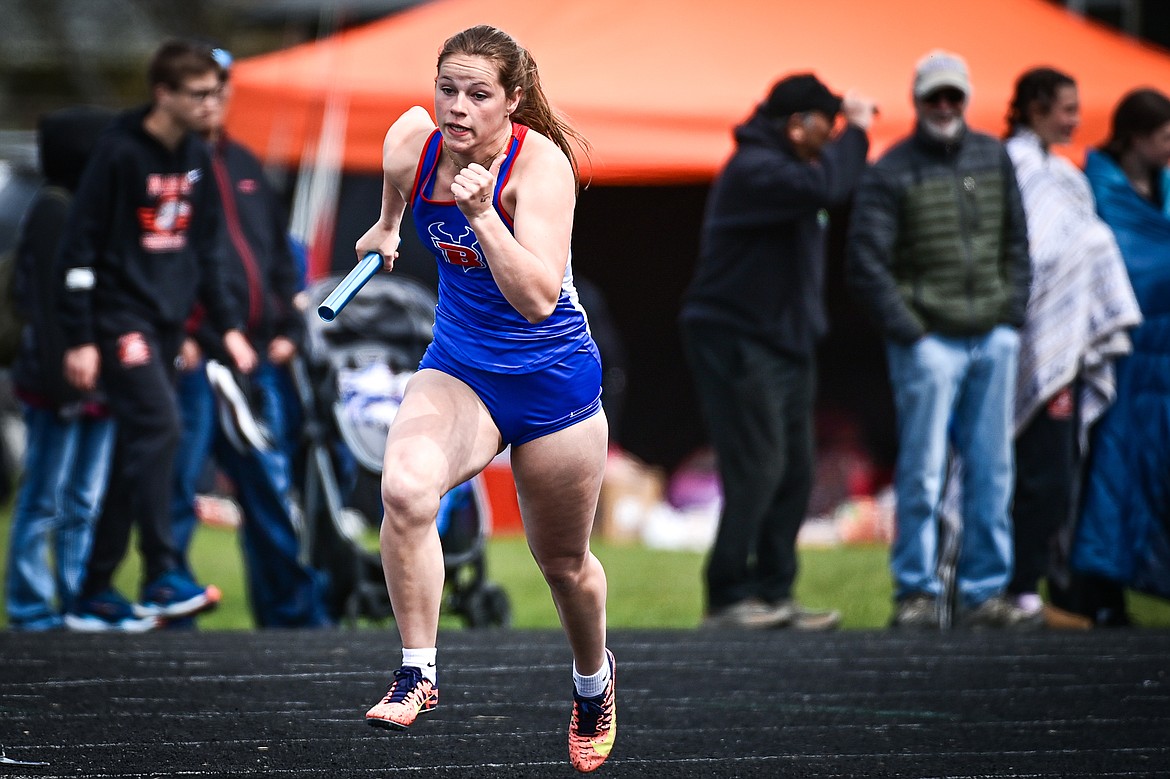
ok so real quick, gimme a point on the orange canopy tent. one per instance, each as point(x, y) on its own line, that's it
point(656, 85)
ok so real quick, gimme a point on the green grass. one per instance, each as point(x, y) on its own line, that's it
point(647, 588)
point(662, 589)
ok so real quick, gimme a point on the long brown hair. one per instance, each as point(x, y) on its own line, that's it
point(1139, 113)
point(517, 69)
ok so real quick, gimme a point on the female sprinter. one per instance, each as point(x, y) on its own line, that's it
point(492, 190)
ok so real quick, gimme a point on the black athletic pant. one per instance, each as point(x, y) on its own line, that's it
point(1046, 465)
point(757, 404)
point(137, 375)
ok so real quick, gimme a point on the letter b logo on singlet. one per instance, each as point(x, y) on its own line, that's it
point(462, 256)
point(453, 250)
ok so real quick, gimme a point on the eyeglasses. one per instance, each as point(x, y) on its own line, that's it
point(200, 95)
point(949, 95)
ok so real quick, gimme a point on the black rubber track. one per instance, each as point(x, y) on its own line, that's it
point(690, 704)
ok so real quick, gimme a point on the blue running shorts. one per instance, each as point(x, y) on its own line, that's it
point(527, 406)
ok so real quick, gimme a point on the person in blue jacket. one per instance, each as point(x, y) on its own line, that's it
point(1123, 538)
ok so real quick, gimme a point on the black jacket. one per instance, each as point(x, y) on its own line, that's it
point(144, 223)
point(260, 273)
point(761, 267)
point(66, 139)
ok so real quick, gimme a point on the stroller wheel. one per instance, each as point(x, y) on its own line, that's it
point(487, 606)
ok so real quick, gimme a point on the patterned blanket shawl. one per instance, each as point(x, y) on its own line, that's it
point(1080, 308)
point(1081, 302)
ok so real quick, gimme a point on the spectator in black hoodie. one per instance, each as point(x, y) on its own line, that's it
point(140, 245)
point(70, 434)
point(262, 278)
point(750, 323)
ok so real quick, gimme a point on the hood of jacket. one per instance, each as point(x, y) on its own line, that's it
point(66, 139)
point(762, 130)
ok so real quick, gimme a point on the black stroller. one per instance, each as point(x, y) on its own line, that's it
point(349, 381)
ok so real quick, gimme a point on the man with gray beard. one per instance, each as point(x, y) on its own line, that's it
point(937, 251)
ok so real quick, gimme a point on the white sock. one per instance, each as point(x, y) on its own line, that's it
point(591, 686)
point(424, 660)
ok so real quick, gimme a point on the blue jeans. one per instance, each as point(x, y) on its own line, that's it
point(282, 591)
point(954, 393)
point(66, 466)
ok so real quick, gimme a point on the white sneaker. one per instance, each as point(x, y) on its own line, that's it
point(750, 613)
point(1029, 602)
point(243, 430)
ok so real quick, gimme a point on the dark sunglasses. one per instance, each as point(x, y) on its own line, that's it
point(950, 95)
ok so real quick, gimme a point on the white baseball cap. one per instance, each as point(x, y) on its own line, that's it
point(940, 69)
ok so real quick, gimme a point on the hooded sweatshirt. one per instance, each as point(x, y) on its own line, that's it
point(261, 275)
point(141, 242)
point(761, 266)
point(66, 140)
